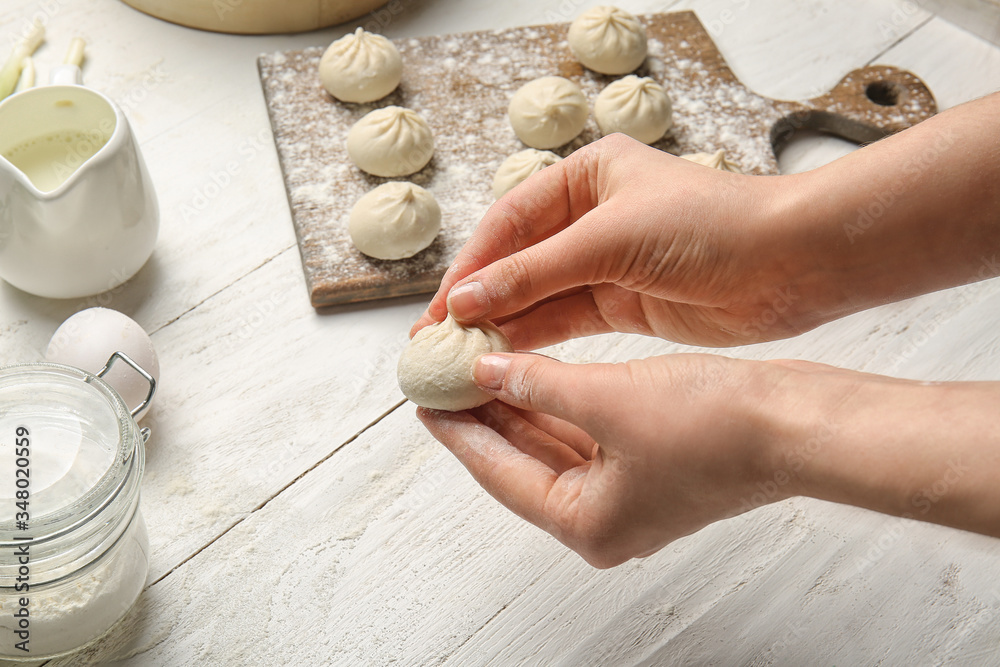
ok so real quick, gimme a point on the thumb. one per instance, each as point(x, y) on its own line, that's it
point(568, 259)
point(572, 392)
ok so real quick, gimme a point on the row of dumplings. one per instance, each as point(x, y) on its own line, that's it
point(399, 219)
point(552, 111)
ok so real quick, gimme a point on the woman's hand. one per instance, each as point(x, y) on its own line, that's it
point(623, 237)
point(686, 440)
point(681, 446)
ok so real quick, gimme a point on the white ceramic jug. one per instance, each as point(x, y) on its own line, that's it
point(78, 214)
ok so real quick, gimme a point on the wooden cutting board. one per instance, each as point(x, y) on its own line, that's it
point(462, 84)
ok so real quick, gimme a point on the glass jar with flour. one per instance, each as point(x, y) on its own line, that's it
point(73, 545)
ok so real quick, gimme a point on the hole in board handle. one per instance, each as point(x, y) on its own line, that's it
point(883, 93)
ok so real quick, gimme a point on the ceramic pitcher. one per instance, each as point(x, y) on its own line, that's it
point(78, 214)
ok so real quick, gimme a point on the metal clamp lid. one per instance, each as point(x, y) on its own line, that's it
point(138, 369)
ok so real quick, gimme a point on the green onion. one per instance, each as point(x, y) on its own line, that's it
point(75, 54)
point(27, 79)
point(11, 71)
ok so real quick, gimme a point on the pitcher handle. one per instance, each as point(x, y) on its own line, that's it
point(66, 75)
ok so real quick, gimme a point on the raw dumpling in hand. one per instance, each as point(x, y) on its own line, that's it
point(548, 112)
point(518, 167)
point(361, 67)
point(391, 142)
point(638, 107)
point(435, 370)
point(608, 40)
point(716, 160)
point(396, 220)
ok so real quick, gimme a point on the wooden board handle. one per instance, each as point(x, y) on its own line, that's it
point(868, 104)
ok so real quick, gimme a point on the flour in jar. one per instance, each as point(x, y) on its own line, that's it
point(68, 615)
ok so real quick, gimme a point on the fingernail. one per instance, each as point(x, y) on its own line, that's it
point(468, 302)
point(490, 371)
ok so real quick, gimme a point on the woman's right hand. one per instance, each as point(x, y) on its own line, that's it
point(623, 237)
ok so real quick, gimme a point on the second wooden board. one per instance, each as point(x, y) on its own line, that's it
point(462, 85)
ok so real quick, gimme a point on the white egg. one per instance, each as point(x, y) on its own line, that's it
point(88, 339)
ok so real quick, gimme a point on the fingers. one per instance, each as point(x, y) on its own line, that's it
point(578, 394)
point(584, 254)
point(541, 206)
point(513, 426)
point(564, 263)
point(573, 316)
point(516, 479)
point(561, 430)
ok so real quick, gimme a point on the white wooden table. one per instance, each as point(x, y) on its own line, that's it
point(299, 514)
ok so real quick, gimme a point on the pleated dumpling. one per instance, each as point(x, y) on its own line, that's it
point(518, 167)
point(435, 370)
point(361, 67)
point(396, 220)
point(638, 107)
point(716, 160)
point(548, 112)
point(391, 142)
point(608, 40)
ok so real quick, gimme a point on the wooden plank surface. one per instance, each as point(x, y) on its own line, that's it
point(980, 17)
point(405, 559)
point(461, 84)
point(236, 426)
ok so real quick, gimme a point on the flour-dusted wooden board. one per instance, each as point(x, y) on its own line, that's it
point(462, 84)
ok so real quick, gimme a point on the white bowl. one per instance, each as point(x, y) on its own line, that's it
point(256, 16)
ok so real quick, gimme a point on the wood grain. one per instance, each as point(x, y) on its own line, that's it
point(389, 552)
point(462, 84)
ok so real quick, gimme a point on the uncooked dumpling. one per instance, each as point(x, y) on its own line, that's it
point(608, 40)
point(638, 107)
point(361, 67)
point(716, 160)
point(519, 167)
point(435, 370)
point(548, 112)
point(391, 142)
point(394, 221)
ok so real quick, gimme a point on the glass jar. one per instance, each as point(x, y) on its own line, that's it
point(73, 545)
